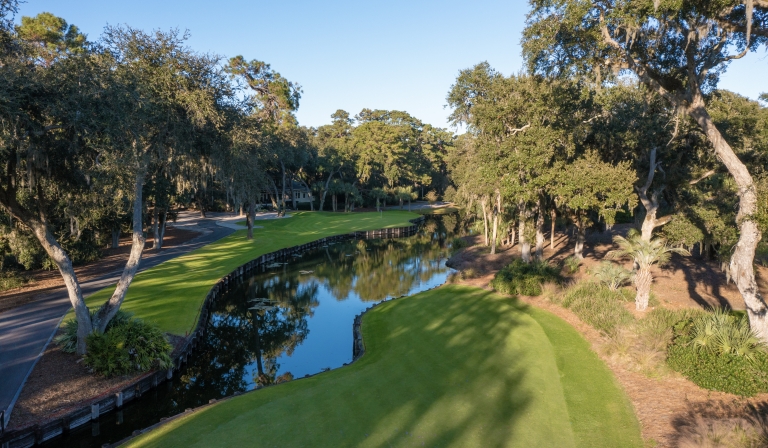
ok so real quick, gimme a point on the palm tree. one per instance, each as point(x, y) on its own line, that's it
point(645, 254)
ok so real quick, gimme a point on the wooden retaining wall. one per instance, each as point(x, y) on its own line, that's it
point(31, 436)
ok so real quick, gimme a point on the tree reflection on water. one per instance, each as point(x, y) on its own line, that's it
point(264, 319)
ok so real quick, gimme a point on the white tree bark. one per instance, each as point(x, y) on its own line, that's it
point(539, 232)
point(742, 260)
point(525, 245)
point(496, 213)
point(111, 306)
point(484, 206)
point(650, 203)
point(553, 217)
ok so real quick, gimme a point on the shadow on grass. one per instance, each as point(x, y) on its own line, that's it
point(455, 366)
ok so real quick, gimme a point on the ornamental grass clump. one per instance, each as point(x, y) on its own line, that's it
point(719, 351)
point(597, 305)
point(571, 264)
point(524, 278)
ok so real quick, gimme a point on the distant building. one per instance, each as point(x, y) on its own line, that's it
point(300, 193)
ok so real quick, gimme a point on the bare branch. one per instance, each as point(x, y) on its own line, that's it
point(704, 176)
point(515, 131)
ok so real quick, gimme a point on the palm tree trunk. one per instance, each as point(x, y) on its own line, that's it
point(553, 217)
point(643, 280)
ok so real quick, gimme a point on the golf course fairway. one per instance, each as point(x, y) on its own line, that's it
point(456, 366)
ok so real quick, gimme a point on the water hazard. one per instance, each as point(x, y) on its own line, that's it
point(292, 320)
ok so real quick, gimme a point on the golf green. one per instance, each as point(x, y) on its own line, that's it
point(172, 293)
point(456, 366)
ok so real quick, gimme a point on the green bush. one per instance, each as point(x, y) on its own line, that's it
point(458, 243)
point(134, 346)
point(11, 280)
point(571, 264)
point(128, 345)
point(597, 305)
point(524, 278)
point(718, 351)
point(68, 339)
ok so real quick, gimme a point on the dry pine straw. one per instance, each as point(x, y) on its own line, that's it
point(659, 402)
point(60, 384)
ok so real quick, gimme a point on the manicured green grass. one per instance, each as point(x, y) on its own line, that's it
point(456, 367)
point(171, 293)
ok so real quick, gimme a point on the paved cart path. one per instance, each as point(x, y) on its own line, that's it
point(26, 330)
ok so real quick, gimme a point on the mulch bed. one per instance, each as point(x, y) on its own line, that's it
point(43, 283)
point(60, 384)
point(660, 403)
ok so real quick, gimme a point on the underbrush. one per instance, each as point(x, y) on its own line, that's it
point(458, 243)
point(597, 305)
point(524, 278)
point(722, 425)
point(641, 345)
point(128, 345)
point(12, 280)
point(718, 351)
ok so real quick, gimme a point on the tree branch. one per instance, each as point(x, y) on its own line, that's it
point(706, 175)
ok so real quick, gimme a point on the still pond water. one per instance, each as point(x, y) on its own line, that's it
point(290, 321)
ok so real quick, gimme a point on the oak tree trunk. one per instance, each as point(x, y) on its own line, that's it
point(742, 260)
point(525, 245)
point(115, 238)
point(249, 219)
point(111, 306)
point(484, 205)
point(496, 213)
point(581, 237)
point(539, 233)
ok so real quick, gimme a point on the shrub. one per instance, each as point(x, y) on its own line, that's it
point(431, 197)
point(127, 348)
point(597, 305)
point(571, 264)
point(128, 345)
point(458, 243)
point(68, 339)
point(612, 275)
point(11, 280)
point(718, 351)
point(524, 278)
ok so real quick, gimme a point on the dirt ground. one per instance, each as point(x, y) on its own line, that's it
point(45, 282)
point(660, 403)
point(60, 383)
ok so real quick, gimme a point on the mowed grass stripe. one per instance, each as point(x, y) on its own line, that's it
point(601, 414)
point(455, 367)
point(171, 293)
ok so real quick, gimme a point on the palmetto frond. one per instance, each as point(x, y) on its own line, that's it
point(644, 253)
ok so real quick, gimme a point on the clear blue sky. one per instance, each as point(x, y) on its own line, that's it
point(349, 55)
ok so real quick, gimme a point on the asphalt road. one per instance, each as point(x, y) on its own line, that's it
point(25, 331)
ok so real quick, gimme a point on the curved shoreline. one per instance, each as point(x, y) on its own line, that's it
point(113, 401)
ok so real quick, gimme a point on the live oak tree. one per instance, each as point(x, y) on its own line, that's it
point(677, 49)
point(522, 126)
point(591, 186)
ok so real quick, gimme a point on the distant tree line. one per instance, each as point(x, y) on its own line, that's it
point(113, 136)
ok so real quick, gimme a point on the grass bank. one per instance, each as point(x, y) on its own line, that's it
point(456, 366)
point(171, 293)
